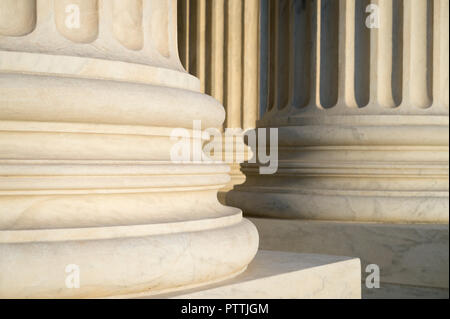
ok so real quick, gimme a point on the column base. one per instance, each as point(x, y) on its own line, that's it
point(121, 260)
point(282, 275)
point(413, 258)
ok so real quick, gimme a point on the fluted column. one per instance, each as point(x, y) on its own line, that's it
point(220, 45)
point(90, 92)
point(362, 113)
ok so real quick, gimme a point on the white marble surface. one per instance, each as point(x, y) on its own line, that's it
point(279, 275)
point(87, 176)
point(415, 255)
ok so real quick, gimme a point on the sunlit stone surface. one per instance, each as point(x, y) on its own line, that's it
point(362, 114)
point(86, 179)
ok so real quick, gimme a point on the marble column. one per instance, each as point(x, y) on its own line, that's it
point(362, 113)
point(90, 92)
point(359, 93)
point(219, 44)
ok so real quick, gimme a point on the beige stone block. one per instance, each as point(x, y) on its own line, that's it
point(416, 255)
point(277, 275)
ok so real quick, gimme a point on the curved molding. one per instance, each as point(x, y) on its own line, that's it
point(352, 205)
point(105, 102)
point(96, 69)
point(353, 168)
point(118, 266)
point(111, 232)
point(366, 135)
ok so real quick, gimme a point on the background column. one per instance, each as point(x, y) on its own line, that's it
point(220, 45)
point(361, 103)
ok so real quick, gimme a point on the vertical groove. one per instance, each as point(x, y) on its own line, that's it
point(354, 54)
point(419, 46)
point(77, 20)
point(328, 53)
point(197, 40)
point(441, 49)
point(17, 17)
point(315, 47)
point(389, 66)
point(271, 74)
point(251, 48)
point(234, 63)
point(347, 37)
point(201, 43)
point(264, 54)
point(127, 23)
point(183, 32)
point(302, 26)
point(193, 37)
point(208, 47)
point(173, 29)
point(160, 26)
point(374, 55)
point(217, 49)
point(361, 78)
point(283, 53)
point(397, 52)
point(221, 47)
point(385, 49)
